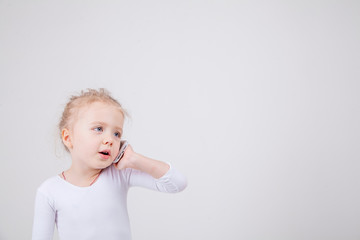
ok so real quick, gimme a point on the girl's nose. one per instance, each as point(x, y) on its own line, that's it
point(108, 140)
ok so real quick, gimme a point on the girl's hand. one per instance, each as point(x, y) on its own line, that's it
point(137, 161)
point(127, 158)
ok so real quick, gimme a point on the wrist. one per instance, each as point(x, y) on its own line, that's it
point(135, 161)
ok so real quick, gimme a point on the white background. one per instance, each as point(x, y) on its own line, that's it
point(256, 102)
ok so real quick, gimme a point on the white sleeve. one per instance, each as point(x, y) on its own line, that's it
point(171, 182)
point(44, 218)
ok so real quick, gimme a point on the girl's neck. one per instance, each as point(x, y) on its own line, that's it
point(81, 177)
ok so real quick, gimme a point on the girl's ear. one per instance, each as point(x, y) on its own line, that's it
point(65, 135)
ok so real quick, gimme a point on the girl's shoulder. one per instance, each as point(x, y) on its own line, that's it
point(117, 174)
point(49, 186)
point(50, 182)
point(56, 184)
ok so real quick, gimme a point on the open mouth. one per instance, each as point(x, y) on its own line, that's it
point(105, 153)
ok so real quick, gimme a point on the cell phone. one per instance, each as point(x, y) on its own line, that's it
point(123, 145)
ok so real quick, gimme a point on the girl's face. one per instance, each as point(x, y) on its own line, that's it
point(96, 134)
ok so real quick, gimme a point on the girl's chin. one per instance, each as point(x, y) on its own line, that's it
point(103, 165)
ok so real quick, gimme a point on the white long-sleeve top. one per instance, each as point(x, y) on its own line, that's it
point(98, 211)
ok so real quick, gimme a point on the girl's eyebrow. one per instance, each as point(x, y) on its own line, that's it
point(103, 123)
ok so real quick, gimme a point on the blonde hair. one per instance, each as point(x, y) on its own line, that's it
point(86, 98)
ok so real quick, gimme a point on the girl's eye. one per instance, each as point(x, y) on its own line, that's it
point(98, 129)
point(117, 134)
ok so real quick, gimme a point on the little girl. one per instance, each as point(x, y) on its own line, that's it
point(88, 201)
